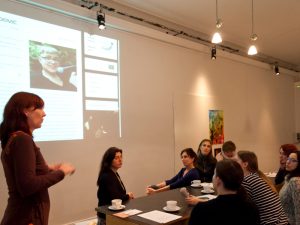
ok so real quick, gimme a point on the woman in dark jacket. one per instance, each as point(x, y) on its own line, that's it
point(206, 163)
point(110, 185)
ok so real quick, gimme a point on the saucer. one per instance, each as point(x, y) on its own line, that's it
point(114, 209)
point(177, 208)
point(207, 192)
point(196, 185)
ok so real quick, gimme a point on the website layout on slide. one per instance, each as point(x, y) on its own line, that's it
point(77, 75)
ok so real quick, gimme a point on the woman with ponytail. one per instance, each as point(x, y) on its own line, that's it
point(261, 191)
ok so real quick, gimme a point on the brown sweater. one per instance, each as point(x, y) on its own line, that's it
point(28, 179)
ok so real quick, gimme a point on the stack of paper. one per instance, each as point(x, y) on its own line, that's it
point(159, 216)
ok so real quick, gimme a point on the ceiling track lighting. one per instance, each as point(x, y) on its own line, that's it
point(252, 49)
point(276, 69)
point(216, 39)
point(213, 53)
point(101, 18)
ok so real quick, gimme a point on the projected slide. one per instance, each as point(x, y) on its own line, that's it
point(46, 59)
point(101, 86)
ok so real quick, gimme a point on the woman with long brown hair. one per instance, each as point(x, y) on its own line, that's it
point(261, 191)
point(206, 163)
point(27, 174)
point(184, 177)
point(110, 185)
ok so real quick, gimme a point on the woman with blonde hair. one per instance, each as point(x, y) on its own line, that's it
point(261, 191)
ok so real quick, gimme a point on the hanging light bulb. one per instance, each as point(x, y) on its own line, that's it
point(216, 39)
point(252, 49)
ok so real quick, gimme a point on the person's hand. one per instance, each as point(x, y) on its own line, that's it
point(54, 166)
point(67, 168)
point(130, 194)
point(150, 191)
point(192, 200)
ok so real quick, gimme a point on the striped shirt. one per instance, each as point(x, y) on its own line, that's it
point(268, 203)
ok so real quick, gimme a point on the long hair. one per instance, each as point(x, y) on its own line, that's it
point(231, 173)
point(296, 171)
point(107, 159)
point(199, 148)
point(190, 152)
point(14, 118)
point(251, 159)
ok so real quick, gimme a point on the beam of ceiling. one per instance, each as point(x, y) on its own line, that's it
point(136, 15)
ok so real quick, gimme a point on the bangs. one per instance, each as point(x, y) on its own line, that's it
point(37, 103)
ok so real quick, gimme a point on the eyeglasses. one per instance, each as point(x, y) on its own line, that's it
point(48, 58)
point(292, 160)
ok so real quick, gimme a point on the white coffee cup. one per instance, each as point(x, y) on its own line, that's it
point(207, 188)
point(171, 205)
point(116, 203)
point(196, 182)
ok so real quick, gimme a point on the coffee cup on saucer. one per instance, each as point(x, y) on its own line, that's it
point(196, 182)
point(171, 205)
point(207, 189)
point(116, 203)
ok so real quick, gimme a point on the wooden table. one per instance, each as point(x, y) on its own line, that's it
point(150, 203)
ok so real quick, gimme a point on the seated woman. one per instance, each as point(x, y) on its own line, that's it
point(284, 152)
point(110, 185)
point(206, 163)
point(290, 192)
point(183, 178)
point(229, 207)
point(261, 191)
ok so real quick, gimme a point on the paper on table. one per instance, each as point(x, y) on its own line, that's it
point(127, 213)
point(209, 197)
point(270, 174)
point(159, 216)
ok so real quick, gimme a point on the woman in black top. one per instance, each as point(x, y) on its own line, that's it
point(206, 162)
point(284, 152)
point(110, 185)
point(230, 207)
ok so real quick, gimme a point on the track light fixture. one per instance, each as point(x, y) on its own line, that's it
point(101, 18)
point(216, 39)
point(213, 53)
point(252, 49)
point(276, 69)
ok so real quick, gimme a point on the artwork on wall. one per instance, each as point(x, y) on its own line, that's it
point(216, 126)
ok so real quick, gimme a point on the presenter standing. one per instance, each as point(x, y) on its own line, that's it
point(27, 174)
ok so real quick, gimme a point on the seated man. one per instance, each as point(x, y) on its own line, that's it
point(230, 207)
point(227, 152)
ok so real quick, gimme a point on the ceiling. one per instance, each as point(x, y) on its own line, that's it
point(276, 22)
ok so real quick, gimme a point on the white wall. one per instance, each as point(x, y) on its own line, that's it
point(166, 92)
point(297, 112)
